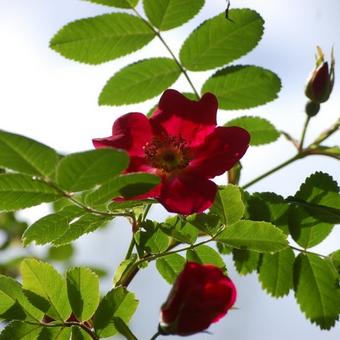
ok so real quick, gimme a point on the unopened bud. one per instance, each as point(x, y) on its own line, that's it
point(234, 174)
point(320, 83)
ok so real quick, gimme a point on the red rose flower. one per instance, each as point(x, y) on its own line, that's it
point(201, 295)
point(182, 145)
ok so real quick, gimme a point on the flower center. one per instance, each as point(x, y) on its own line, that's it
point(167, 153)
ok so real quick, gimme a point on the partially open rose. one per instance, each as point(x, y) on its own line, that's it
point(181, 144)
point(201, 295)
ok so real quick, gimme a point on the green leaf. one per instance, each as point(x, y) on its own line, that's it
point(118, 303)
point(228, 204)
point(180, 229)
point(123, 329)
point(204, 254)
point(83, 170)
point(62, 253)
point(83, 292)
point(14, 304)
point(19, 330)
point(245, 261)
point(21, 191)
point(11, 266)
point(305, 229)
point(129, 185)
point(276, 272)
point(45, 288)
point(116, 3)
point(253, 235)
point(102, 38)
point(321, 212)
point(335, 258)
point(140, 81)
point(316, 290)
point(80, 334)
point(124, 266)
point(243, 87)
point(219, 41)
point(151, 238)
point(99, 271)
point(167, 14)
point(51, 227)
point(306, 224)
point(261, 130)
point(26, 155)
point(207, 223)
point(170, 266)
point(268, 207)
point(84, 225)
point(319, 188)
point(55, 333)
point(9, 308)
point(126, 205)
point(223, 249)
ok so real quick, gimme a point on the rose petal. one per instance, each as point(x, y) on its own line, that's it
point(140, 164)
point(201, 295)
point(130, 132)
point(179, 116)
point(187, 194)
point(220, 152)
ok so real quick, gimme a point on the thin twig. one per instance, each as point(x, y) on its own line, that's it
point(155, 336)
point(131, 246)
point(290, 139)
point(327, 133)
point(278, 167)
point(307, 251)
point(183, 70)
point(304, 130)
point(67, 324)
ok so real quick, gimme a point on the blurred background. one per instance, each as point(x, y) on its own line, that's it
point(54, 100)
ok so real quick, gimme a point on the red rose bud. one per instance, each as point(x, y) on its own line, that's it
point(320, 84)
point(201, 295)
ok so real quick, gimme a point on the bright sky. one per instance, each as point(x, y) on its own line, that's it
point(54, 100)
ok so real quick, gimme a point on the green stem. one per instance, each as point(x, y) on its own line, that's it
point(301, 152)
point(95, 211)
point(157, 256)
point(68, 324)
point(183, 70)
point(83, 206)
point(192, 246)
point(304, 133)
point(132, 273)
point(290, 139)
point(155, 336)
point(88, 331)
point(128, 276)
point(307, 251)
point(146, 211)
point(280, 166)
point(185, 73)
point(131, 246)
